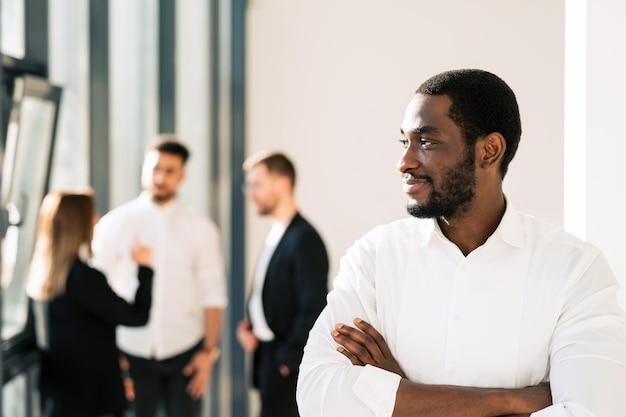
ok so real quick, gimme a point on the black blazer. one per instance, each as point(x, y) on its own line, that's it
point(80, 371)
point(295, 289)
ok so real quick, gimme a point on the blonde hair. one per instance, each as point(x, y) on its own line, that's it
point(64, 231)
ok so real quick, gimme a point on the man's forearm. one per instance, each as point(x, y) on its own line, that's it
point(212, 327)
point(452, 401)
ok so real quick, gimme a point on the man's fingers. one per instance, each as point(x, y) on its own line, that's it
point(351, 357)
point(369, 330)
point(356, 342)
point(197, 385)
point(194, 389)
point(370, 340)
point(365, 346)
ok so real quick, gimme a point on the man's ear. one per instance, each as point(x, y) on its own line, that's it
point(491, 150)
point(285, 184)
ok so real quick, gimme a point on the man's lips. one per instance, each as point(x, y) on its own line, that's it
point(413, 184)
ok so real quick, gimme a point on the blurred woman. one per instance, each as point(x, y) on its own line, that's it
point(76, 311)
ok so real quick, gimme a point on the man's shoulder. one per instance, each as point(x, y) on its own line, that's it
point(123, 213)
point(547, 240)
point(192, 214)
point(548, 232)
point(396, 234)
point(301, 222)
point(125, 209)
point(300, 229)
point(408, 226)
point(192, 220)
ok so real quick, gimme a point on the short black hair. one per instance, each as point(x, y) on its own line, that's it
point(482, 103)
point(170, 143)
point(275, 162)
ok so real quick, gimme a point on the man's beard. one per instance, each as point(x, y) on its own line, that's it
point(162, 198)
point(453, 196)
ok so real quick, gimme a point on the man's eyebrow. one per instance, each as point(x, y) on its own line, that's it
point(420, 130)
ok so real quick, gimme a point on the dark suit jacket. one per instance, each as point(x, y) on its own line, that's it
point(80, 371)
point(294, 292)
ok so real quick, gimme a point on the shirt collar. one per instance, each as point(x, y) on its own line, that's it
point(278, 229)
point(510, 229)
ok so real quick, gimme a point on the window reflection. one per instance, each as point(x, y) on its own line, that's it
point(25, 175)
point(12, 28)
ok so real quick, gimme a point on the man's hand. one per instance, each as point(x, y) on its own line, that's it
point(199, 369)
point(365, 346)
point(246, 337)
point(284, 370)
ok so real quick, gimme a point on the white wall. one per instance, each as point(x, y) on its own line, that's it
point(328, 82)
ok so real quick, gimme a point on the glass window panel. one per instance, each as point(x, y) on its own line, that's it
point(12, 26)
point(14, 397)
point(25, 175)
point(20, 397)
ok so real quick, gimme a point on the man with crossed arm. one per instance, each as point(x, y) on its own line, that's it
point(469, 307)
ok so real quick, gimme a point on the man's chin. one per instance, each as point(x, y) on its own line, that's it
point(421, 211)
point(162, 198)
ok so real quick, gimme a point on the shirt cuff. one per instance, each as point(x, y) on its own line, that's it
point(377, 389)
point(555, 410)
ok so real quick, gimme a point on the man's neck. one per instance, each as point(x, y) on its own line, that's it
point(284, 212)
point(473, 227)
point(161, 202)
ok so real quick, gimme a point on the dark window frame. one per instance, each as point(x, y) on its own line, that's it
point(18, 355)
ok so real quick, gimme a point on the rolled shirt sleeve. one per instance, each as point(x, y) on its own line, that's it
point(556, 410)
point(211, 270)
point(377, 389)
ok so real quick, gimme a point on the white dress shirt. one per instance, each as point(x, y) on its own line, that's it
point(188, 272)
point(255, 306)
point(532, 304)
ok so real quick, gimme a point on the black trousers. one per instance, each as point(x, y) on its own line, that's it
point(161, 383)
point(278, 393)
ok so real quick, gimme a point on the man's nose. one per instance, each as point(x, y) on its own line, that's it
point(158, 177)
point(408, 160)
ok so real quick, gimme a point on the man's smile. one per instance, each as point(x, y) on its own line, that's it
point(413, 183)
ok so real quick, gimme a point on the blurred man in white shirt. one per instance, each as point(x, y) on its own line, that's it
point(172, 357)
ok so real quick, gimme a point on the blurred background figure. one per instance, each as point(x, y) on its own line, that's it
point(76, 312)
point(170, 359)
point(289, 287)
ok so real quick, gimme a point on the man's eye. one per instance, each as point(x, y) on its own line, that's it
point(404, 142)
point(426, 144)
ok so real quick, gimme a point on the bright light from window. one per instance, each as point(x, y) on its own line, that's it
point(575, 164)
point(12, 26)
